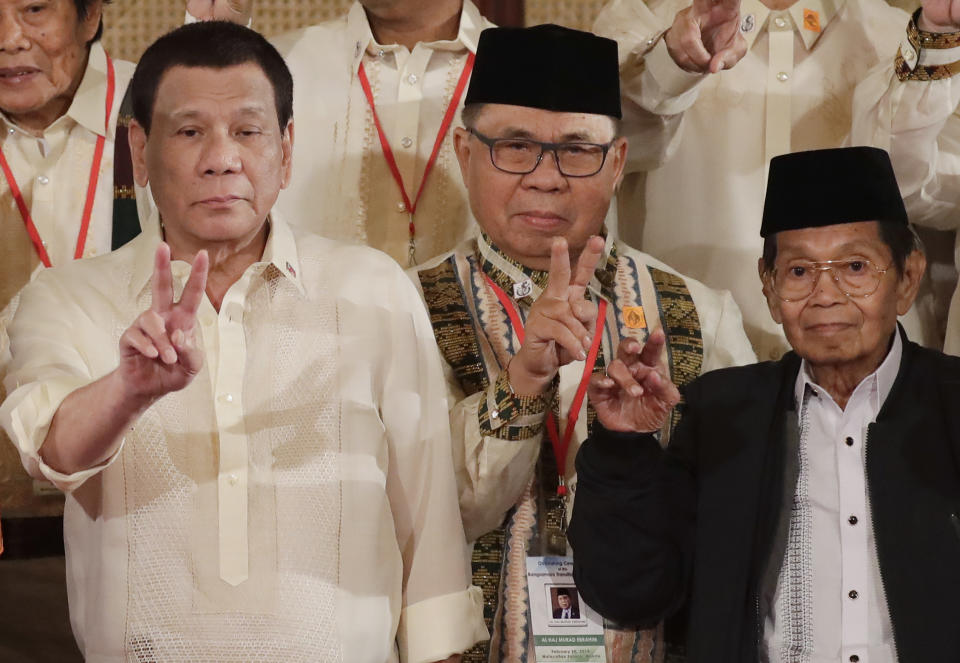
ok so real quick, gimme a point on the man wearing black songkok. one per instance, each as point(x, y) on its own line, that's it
point(515, 308)
point(807, 508)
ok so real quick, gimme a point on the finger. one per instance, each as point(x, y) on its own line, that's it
point(586, 266)
point(728, 57)
point(653, 349)
point(585, 311)
point(660, 387)
point(730, 6)
point(162, 281)
point(188, 351)
point(628, 351)
point(134, 341)
point(154, 326)
point(623, 377)
point(193, 291)
point(563, 337)
point(202, 9)
point(562, 314)
point(690, 42)
point(559, 278)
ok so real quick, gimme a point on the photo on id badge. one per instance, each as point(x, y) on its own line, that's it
point(563, 606)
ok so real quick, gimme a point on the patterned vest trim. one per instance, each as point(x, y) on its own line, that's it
point(682, 327)
point(126, 222)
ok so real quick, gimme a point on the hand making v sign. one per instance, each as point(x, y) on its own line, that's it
point(559, 327)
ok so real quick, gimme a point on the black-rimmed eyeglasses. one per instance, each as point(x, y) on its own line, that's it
point(521, 156)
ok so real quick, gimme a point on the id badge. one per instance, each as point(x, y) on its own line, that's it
point(565, 629)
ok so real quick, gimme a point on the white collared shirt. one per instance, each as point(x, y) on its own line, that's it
point(342, 187)
point(295, 502)
point(699, 143)
point(830, 604)
point(52, 171)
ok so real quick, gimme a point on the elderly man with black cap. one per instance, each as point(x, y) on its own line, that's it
point(807, 508)
point(541, 299)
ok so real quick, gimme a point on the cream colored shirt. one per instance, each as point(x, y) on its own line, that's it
point(694, 198)
point(296, 502)
point(52, 171)
point(342, 187)
point(917, 122)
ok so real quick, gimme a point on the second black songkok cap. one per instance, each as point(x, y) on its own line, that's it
point(827, 187)
point(548, 67)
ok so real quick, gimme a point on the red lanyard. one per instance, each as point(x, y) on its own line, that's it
point(91, 186)
point(560, 445)
point(411, 206)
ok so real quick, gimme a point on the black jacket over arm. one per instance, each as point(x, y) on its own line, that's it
point(651, 528)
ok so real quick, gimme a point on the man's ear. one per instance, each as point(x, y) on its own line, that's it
point(286, 144)
point(91, 23)
point(137, 138)
point(461, 146)
point(773, 302)
point(913, 269)
point(618, 151)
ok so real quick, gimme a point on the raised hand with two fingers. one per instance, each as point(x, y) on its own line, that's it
point(559, 328)
point(636, 394)
point(159, 352)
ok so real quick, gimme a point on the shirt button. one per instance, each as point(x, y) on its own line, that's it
point(849, 441)
point(406, 141)
point(11, 131)
point(774, 355)
point(226, 398)
point(207, 319)
point(494, 414)
point(779, 22)
point(380, 53)
point(412, 79)
point(853, 594)
point(852, 520)
point(401, 207)
point(232, 479)
point(43, 179)
point(783, 76)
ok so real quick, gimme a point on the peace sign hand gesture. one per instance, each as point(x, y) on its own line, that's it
point(636, 394)
point(159, 351)
point(559, 327)
point(237, 11)
point(705, 37)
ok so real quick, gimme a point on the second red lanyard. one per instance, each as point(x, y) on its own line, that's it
point(411, 205)
point(32, 231)
point(560, 444)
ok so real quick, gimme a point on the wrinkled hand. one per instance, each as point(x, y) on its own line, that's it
point(940, 16)
point(636, 394)
point(236, 11)
point(559, 327)
point(159, 351)
point(705, 37)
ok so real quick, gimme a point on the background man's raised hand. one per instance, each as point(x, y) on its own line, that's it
point(636, 394)
point(940, 16)
point(159, 352)
point(237, 11)
point(561, 322)
point(705, 37)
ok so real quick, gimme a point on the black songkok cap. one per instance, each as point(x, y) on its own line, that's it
point(548, 67)
point(827, 187)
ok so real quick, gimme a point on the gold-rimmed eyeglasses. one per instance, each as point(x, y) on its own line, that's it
point(855, 277)
point(520, 156)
